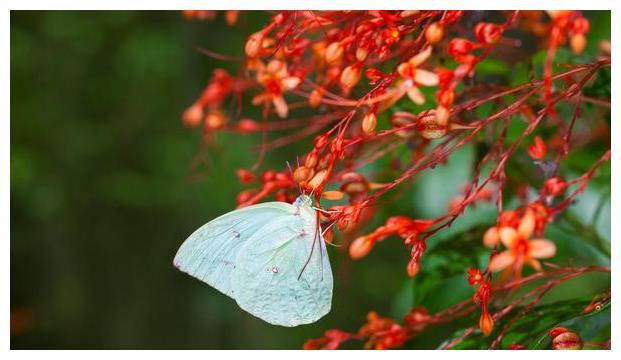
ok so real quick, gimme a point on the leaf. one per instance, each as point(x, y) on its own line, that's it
point(531, 330)
point(493, 66)
point(405, 299)
point(435, 187)
point(587, 326)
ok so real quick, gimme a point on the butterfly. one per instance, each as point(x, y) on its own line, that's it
point(271, 258)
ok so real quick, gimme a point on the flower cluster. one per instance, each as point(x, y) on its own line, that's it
point(359, 87)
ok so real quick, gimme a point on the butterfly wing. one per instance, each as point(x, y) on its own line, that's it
point(210, 253)
point(283, 274)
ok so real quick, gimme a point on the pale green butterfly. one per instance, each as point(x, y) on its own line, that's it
point(270, 257)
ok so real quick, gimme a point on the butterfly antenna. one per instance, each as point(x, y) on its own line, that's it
point(291, 170)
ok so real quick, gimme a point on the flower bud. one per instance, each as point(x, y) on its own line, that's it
point(360, 247)
point(230, 16)
point(446, 97)
point(350, 76)
point(369, 122)
point(459, 47)
point(488, 33)
point(311, 159)
point(334, 53)
point(321, 141)
point(555, 186)
point(254, 44)
point(434, 33)
point(442, 115)
point(317, 180)
point(413, 267)
point(362, 53)
point(486, 323)
point(192, 116)
point(408, 13)
point(577, 43)
point(268, 175)
point(301, 174)
point(245, 176)
point(563, 339)
point(214, 120)
point(314, 100)
point(247, 126)
point(332, 195)
point(430, 129)
point(354, 183)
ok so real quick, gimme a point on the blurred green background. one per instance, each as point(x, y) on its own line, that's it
point(106, 183)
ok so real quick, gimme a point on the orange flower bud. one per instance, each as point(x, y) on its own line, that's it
point(350, 76)
point(577, 43)
point(254, 44)
point(302, 173)
point(446, 97)
point(434, 33)
point(362, 53)
point(354, 183)
point(332, 195)
point(408, 13)
point(318, 179)
point(214, 120)
point(334, 53)
point(311, 160)
point(369, 122)
point(360, 247)
point(486, 323)
point(314, 100)
point(413, 267)
point(192, 116)
point(442, 115)
point(325, 161)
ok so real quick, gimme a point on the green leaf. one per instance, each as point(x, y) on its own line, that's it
point(531, 330)
point(588, 326)
point(436, 187)
point(405, 299)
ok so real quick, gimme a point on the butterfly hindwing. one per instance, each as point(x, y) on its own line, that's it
point(283, 274)
point(210, 253)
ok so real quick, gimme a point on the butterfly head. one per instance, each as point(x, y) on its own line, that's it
point(303, 200)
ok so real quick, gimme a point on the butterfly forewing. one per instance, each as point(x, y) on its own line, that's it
point(210, 253)
point(283, 274)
